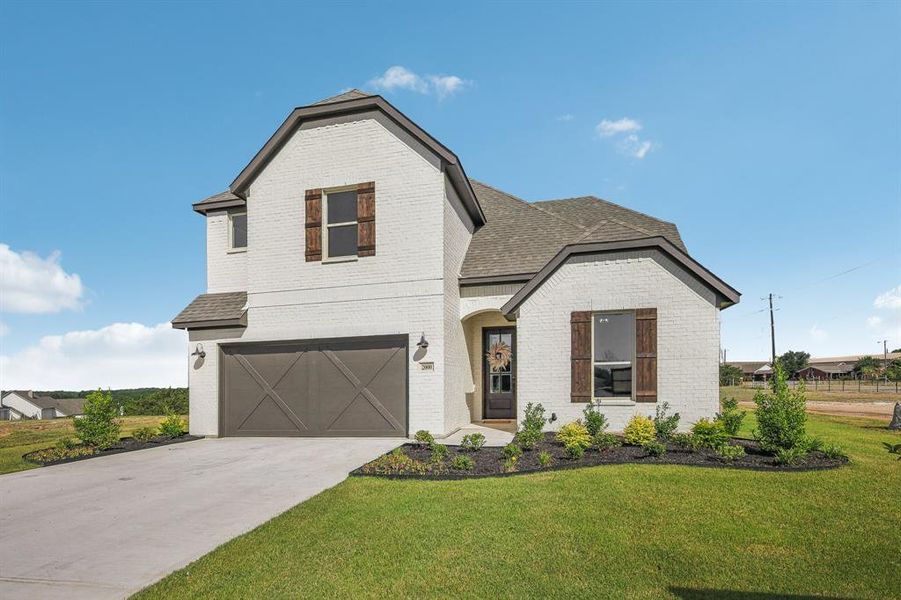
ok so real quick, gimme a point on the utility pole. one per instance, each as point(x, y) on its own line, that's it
point(724, 354)
point(772, 334)
point(884, 358)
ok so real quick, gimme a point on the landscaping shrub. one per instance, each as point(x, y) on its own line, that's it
point(683, 440)
point(143, 434)
point(67, 443)
point(574, 433)
point(639, 430)
point(595, 422)
point(574, 450)
point(605, 441)
point(729, 453)
point(731, 417)
point(424, 438)
point(893, 449)
point(709, 434)
point(54, 454)
point(812, 444)
point(666, 424)
point(834, 451)
point(395, 463)
point(472, 442)
point(439, 453)
point(510, 464)
point(790, 456)
point(99, 426)
point(461, 462)
point(781, 414)
point(654, 448)
point(512, 451)
point(545, 459)
point(534, 417)
point(528, 438)
point(173, 426)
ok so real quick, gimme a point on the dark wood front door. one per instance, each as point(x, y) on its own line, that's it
point(499, 369)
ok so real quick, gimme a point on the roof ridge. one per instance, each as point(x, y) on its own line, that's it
point(567, 221)
point(605, 201)
point(530, 204)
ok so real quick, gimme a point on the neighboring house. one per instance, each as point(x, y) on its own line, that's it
point(826, 371)
point(25, 404)
point(749, 368)
point(360, 284)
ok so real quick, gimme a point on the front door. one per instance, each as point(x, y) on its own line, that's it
point(499, 368)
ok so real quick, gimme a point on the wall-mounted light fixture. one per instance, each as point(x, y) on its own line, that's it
point(422, 344)
point(199, 351)
point(553, 417)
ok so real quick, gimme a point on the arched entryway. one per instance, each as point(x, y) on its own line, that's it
point(491, 344)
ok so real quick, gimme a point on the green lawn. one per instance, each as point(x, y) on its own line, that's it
point(20, 437)
point(628, 531)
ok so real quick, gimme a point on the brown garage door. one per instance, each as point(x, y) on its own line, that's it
point(347, 387)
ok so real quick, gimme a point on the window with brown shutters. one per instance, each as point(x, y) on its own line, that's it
point(580, 356)
point(366, 219)
point(313, 211)
point(646, 355)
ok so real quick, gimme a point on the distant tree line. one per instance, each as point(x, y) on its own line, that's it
point(138, 401)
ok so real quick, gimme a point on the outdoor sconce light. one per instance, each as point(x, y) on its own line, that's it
point(553, 417)
point(422, 344)
point(199, 351)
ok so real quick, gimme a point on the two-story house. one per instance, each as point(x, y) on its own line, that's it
point(360, 284)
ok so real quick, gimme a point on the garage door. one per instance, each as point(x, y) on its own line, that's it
point(347, 387)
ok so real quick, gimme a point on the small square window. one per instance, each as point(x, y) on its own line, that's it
point(340, 231)
point(238, 231)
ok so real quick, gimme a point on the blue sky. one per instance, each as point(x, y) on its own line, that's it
point(770, 133)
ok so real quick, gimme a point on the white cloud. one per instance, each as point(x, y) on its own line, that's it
point(31, 284)
point(608, 128)
point(120, 355)
point(818, 334)
point(874, 322)
point(565, 118)
point(890, 299)
point(631, 145)
point(402, 78)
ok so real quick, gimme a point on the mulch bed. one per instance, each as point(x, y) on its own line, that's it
point(123, 445)
point(489, 462)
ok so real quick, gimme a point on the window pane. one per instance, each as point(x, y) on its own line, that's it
point(506, 383)
point(342, 241)
point(613, 381)
point(614, 337)
point(239, 231)
point(495, 384)
point(341, 207)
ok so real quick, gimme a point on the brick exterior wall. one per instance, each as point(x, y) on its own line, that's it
point(225, 271)
point(688, 338)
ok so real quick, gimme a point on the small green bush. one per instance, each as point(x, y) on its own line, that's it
point(595, 421)
point(439, 453)
point(729, 453)
point(574, 434)
point(605, 441)
point(510, 464)
point(683, 440)
point(424, 438)
point(143, 434)
point(654, 448)
point(812, 444)
point(781, 414)
point(639, 431)
point(395, 463)
point(528, 438)
point(893, 449)
point(461, 462)
point(545, 459)
point(98, 427)
point(512, 451)
point(534, 417)
point(834, 451)
point(472, 442)
point(48, 455)
point(67, 443)
point(709, 434)
point(173, 426)
point(731, 417)
point(665, 424)
point(790, 456)
point(574, 451)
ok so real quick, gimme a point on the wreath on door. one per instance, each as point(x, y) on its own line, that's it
point(499, 355)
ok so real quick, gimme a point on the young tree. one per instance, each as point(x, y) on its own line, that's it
point(98, 427)
point(730, 375)
point(867, 367)
point(793, 361)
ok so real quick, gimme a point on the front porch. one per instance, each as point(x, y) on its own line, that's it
point(491, 346)
point(497, 433)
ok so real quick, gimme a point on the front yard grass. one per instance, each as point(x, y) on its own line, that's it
point(626, 531)
point(20, 437)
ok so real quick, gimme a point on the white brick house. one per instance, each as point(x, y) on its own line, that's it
point(358, 283)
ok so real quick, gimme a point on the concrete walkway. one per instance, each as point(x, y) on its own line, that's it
point(107, 527)
point(496, 434)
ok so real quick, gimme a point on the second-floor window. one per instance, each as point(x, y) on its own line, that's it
point(237, 231)
point(339, 235)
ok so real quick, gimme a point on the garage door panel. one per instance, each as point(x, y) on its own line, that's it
point(335, 387)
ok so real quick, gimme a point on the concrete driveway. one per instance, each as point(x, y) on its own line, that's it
point(107, 527)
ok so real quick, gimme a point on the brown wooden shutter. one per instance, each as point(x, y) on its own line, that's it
point(580, 356)
point(646, 355)
point(313, 210)
point(366, 219)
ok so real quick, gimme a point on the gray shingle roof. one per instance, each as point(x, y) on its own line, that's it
point(521, 237)
point(351, 94)
point(212, 308)
point(67, 406)
point(220, 197)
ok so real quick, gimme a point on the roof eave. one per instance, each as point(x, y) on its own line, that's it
point(211, 324)
point(207, 207)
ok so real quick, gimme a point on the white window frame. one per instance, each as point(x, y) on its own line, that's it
point(326, 226)
point(231, 232)
point(614, 400)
